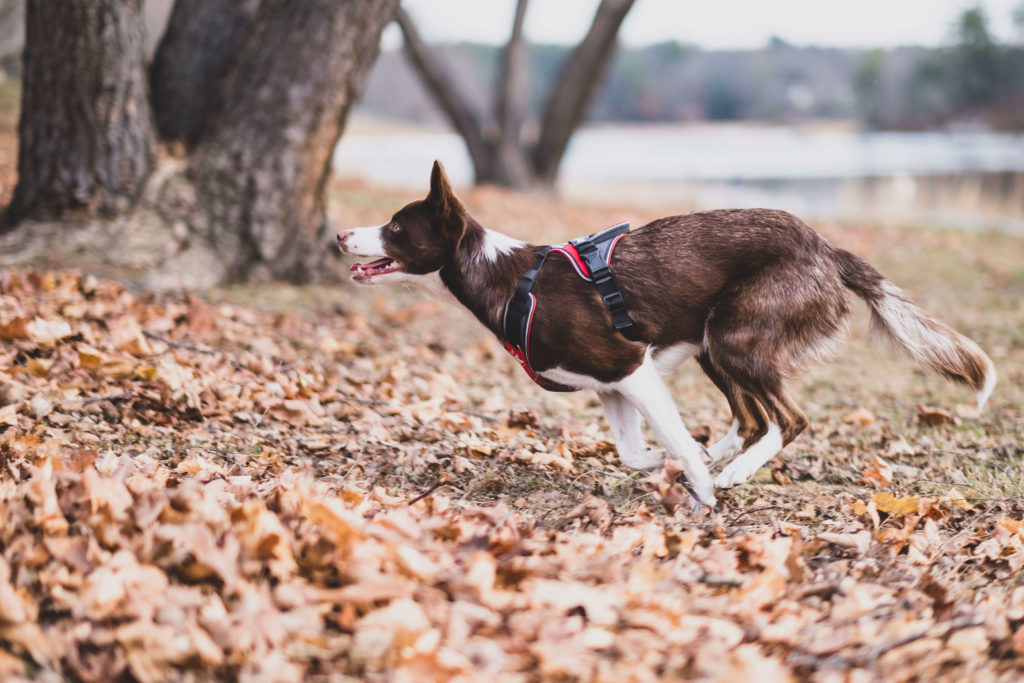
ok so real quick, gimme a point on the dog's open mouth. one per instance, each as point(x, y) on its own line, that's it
point(364, 271)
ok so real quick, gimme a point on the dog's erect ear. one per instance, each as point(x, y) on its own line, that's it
point(444, 199)
point(440, 187)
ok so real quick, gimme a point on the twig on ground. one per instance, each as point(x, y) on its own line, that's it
point(500, 523)
point(177, 345)
point(109, 397)
point(435, 486)
point(719, 581)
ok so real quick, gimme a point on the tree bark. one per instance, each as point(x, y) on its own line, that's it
point(265, 156)
point(85, 130)
point(576, 88)
point(193, 58)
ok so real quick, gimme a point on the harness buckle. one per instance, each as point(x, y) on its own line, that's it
point(614, 301)
point(600, 275)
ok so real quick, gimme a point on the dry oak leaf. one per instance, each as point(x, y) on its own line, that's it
point(107, 493)
point(384, 631)
point(332, 514)
point(879, 473)
point(597, 510)
point(670, 494)
point(933, 417)
point(890, 504)
point(859, 541)
point(47, 333)
point(15, 606)
point(46, 511)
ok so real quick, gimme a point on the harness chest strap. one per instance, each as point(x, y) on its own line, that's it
point(591, 258)
point(519, 320)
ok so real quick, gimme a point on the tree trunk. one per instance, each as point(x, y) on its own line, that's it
point(193, 57)
point(576, 88)
point(503, 158)
point(265, 156)
point(250, 198)
point(510, 166)
point(85, 132)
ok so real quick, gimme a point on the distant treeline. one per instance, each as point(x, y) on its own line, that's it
point(975, 81)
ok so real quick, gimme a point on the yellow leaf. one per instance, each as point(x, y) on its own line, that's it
point(892, 505)
point(146, 372)
point(861, 416)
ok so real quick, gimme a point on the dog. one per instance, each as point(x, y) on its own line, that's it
point(753, 294)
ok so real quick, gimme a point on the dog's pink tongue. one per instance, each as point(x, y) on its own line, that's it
point(379, 263)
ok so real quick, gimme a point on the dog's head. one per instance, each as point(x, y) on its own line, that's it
point(420, 239)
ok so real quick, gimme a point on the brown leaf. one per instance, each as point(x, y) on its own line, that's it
point(859, 541)
point(597, 510)
point(890, 504)
point(523, 418)
point(879, 473)
point(668, 491)
point(933, 417)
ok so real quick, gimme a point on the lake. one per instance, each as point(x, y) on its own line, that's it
point(966, 178)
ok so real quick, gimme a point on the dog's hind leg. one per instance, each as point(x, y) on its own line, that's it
point(645, 390)
point(785, 421)
point(751, 342)
point(748, 422)
point(624, 419)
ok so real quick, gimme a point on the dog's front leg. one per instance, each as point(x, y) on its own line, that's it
point(624, 420)
point(645, 390)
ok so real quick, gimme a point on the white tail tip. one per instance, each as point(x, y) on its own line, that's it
point(990, 384)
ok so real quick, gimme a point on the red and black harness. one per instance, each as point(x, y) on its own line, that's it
point(591, 257)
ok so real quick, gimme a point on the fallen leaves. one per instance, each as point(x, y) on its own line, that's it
point(200, 490)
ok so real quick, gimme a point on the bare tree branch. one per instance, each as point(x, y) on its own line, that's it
point(442, 87)
point(509, 164)
point(510, 95)
point(577, 86)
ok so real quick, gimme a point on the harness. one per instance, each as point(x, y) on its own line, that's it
point(591, 258)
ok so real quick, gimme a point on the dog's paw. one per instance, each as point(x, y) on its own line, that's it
point(726, 447)
point(702, 497)
point(735, 473)
point(701, 487)
point(649, 459)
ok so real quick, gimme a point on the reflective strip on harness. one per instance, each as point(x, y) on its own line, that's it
point(569, 251)
point(591, 258)
point(522, 354)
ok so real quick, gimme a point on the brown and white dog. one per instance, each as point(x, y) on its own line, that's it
point(753, 294)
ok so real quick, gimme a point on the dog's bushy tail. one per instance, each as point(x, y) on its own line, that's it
point(897, 320)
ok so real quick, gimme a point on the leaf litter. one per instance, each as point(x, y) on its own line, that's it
point(209, 490)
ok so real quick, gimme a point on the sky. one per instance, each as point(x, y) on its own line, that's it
point(714, 24)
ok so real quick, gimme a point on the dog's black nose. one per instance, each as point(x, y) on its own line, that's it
point(343, 237)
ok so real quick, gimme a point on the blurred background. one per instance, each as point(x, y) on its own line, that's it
point(905, 112)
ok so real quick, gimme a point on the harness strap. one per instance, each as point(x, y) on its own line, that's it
point(520, 307)
point(591, 257)
point(601, 274)
point(518, 320)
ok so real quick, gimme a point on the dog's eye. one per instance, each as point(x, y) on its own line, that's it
point(395, 227)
